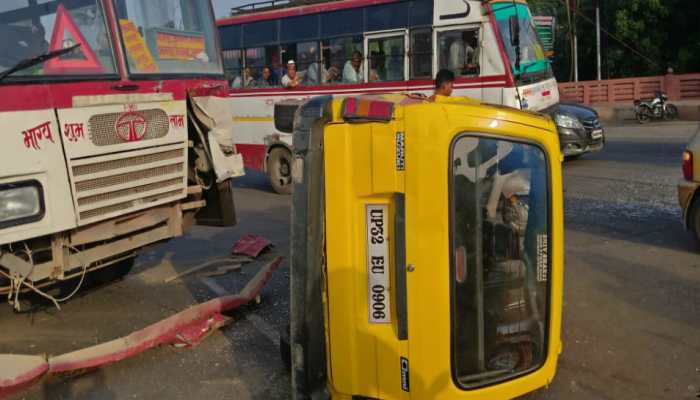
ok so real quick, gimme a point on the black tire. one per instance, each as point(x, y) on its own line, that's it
point(643, 115)
point(286, 347)
point(279, 170)
point(694, 219)
point(671, 112)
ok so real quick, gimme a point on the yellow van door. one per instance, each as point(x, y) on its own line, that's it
point(479, 258)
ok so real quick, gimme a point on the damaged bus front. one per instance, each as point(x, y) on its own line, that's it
point(116, 135)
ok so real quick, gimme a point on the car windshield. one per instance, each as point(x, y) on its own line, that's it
point(534, 66)
point(30, 30)
point(169, 37)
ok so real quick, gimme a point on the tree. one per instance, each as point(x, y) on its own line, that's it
point(643, 37)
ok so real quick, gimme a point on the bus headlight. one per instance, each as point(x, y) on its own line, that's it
point(566, 121)
point(20, 203)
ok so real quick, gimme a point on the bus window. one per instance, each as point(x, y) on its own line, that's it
point(421, 55)
point(386, 59)
point(307, 62)
point(340, 52)
point(254, 64)
point(501, 265)
point(459, 51)
point(233, 65)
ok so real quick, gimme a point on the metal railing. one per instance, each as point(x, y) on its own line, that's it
point(676, 87)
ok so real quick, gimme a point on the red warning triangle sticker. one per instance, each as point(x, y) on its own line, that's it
point(89, 63)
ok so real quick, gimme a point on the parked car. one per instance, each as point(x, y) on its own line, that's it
point(688, 197)
point(580, 130)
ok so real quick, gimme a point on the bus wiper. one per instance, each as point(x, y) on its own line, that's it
point(30, 62)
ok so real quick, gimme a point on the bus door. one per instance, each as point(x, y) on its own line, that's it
point(385, 55)
point(458, 49)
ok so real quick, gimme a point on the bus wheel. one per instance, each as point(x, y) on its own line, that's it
point(279, 170)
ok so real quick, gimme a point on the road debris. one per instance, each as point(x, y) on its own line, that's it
point(185, 329)
point(223, 270)
point(251, 245)
point(236, 260)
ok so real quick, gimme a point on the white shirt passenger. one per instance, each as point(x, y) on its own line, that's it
point(350, 75)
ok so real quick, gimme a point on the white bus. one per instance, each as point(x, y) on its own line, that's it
point(401, 44)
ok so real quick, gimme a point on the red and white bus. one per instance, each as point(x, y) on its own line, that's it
point(402, 44)
point(116, 133)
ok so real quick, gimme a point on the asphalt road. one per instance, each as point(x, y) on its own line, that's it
point(632, 295)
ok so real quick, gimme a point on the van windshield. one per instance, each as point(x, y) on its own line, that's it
point(29, 30)
point(164, 37)
point(534, 66)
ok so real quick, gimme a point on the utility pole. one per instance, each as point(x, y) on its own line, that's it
point(575, 43)
point(597, 36)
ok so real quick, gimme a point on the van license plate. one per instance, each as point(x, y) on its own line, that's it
point(378, 264)
point(597, 134)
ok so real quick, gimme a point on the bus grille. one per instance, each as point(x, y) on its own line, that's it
point(112, 185)
point(152, 124)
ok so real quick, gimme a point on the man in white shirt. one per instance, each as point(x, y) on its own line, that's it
point(352, 71)
point(461, 56)
point(291, 80)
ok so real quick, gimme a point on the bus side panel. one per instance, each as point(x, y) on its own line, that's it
point(253, 118)
point(32, 151)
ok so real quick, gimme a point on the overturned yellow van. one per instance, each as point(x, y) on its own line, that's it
point(427, 249)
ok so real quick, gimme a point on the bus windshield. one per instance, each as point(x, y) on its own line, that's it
point(163, 37)
point(534, 66)
point(30, 30)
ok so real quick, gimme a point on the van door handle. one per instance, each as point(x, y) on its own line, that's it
point(400, 265)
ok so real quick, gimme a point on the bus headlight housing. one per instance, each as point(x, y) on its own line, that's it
point(20, 203)
point(566, 121)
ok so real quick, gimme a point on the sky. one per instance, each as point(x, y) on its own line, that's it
point(223, 7)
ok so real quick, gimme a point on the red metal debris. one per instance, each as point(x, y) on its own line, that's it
point(19, 372)
point(187, 328)
point(251, 245)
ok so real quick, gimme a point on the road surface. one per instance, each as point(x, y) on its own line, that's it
point(632, 295)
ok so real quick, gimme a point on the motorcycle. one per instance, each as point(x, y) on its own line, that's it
point(656, 108)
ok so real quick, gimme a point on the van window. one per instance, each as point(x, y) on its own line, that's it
point(500, 259)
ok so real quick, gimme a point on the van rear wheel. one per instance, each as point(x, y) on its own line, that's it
point(279, 170)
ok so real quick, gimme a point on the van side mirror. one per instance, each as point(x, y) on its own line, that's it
point(514, 26)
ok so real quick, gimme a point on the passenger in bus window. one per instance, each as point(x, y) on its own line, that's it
point(249, 80)
point(266, 80)
point(237, 82)
point(291, 80)
point(462, 53)
point(377, 71)
point(395, 64)
point(352, 71)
